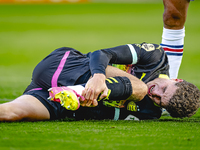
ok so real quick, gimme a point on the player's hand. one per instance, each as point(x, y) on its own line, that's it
point(93, 88)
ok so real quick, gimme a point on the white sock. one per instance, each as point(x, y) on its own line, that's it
point(172, 43)
point(77, 88)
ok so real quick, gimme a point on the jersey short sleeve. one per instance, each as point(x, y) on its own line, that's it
point(148, 61)
point(148, 54)
point(152, 61)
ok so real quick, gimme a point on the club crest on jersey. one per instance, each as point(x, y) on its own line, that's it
point(132, 106)
point(148, 47)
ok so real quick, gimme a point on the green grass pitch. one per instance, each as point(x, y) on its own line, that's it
point(29, 32)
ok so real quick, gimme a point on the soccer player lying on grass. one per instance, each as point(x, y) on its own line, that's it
point(123, 95)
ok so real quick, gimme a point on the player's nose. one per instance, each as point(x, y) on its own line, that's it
point(157, 92)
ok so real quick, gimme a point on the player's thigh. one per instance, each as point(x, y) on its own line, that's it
point(28, 107)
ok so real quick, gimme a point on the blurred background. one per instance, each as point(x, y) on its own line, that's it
point(75, 1)
point(31, 29)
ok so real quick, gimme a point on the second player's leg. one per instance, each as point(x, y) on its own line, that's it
point(175, 13)
point(174, 17)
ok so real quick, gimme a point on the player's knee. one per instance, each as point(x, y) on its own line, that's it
point(175, 13)
point(173, 19)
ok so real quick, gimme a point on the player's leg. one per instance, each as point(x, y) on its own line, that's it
point(174, 17)
point(175, 13)
point(25, 107)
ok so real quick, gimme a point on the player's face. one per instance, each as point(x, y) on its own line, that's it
point(161, 90)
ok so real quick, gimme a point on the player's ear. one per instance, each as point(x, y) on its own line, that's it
point(178, 80)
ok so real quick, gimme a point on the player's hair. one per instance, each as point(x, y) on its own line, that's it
point(185, 102)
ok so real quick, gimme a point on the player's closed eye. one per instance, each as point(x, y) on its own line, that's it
point(164, 89)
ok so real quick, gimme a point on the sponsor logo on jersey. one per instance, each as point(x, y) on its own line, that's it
point(132, 106)
point(148, 47)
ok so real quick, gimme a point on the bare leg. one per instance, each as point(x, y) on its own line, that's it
point(175, 13)
point(174, 17)
point(25, 107)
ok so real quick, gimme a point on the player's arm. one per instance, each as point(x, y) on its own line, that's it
point(99, 61)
